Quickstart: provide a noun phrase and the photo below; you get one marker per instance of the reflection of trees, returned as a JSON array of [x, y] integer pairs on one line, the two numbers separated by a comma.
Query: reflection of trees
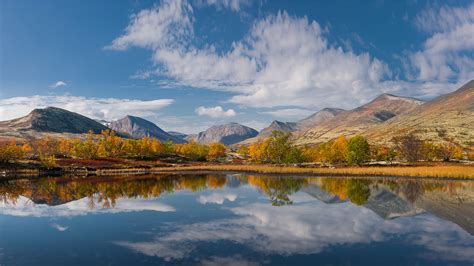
[[10, 191], [277, 189], [106, 191], [358, 191]]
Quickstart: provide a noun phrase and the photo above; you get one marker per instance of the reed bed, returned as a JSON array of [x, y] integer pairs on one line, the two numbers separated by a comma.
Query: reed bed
[[436, 171]]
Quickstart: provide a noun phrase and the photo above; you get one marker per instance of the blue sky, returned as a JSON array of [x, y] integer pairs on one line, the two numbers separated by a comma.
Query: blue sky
[[189, 64]]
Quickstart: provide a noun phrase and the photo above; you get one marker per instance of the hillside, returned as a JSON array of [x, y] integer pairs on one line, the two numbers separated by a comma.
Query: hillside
[[49, 120], [137, 127], [360, 119], [227, 134], [447, 117]]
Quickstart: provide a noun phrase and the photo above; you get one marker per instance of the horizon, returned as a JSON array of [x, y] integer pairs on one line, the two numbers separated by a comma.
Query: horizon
[[186, 65]]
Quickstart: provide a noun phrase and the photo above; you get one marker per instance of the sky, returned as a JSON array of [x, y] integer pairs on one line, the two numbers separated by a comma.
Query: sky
[[190, 64]]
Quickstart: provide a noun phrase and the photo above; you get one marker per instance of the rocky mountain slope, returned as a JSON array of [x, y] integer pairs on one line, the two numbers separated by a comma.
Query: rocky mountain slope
[[360, 119], [318, 118], [49, 120], [447, 117], [227, 134], [137, 127], [298, 127]]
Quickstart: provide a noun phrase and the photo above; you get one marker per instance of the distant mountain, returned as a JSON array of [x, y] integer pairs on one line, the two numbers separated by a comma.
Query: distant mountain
[[360, 119], [297, 128], [279, 126], [447, 117], [227, 134], [137, 127], [49, 120], [178, 134], [318, 118]]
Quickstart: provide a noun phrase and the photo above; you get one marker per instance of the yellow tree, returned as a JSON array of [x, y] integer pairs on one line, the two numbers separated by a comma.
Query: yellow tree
[[216, 151], [109, 145]]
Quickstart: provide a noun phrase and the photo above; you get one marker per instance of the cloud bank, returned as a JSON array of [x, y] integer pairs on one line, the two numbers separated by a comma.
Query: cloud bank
[[96, 108]]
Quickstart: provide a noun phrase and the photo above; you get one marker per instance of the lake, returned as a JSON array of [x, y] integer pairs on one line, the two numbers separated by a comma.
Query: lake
[[235, 219]]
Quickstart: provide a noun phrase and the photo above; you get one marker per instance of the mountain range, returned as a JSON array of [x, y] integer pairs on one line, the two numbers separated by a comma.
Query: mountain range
[[445, 118]]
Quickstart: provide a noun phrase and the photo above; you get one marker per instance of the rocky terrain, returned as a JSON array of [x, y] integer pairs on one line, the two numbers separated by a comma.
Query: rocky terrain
[[448, 117], [360, 119], [227, 134], [137, 127]]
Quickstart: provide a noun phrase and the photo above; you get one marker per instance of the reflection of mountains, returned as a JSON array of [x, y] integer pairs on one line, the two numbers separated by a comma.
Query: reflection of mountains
[[315, 191], [455, 205], [389, 199]]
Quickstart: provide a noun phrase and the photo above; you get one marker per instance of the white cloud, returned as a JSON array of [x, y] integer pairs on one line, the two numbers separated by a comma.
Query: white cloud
[[58, 84], [447, 53], [286, 61], [217, 198], [234, 5], [158, 27], [290, 113], [97, 108], [214, 112], [283, 61], [24, 207]]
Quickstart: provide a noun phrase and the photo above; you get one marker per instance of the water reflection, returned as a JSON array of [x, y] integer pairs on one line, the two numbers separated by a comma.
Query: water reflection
[[431, 221]]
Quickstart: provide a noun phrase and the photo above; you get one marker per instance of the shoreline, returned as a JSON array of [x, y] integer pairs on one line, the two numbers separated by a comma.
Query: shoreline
[[442, 171]]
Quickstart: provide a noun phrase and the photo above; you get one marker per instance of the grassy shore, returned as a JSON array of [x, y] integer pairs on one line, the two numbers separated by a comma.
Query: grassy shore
[[435, 171]]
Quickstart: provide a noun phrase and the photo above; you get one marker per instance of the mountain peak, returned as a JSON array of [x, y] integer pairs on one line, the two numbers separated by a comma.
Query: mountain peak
[[54, 119], [227, 134], [138, 127]]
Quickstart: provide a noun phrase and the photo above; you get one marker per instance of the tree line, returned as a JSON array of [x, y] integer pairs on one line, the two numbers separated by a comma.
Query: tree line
[[106, 145], [356, 150], [276, 149]]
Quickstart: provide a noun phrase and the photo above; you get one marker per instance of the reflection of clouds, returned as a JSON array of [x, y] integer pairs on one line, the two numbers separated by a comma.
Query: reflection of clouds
[[229, 261], [309, 228], [59, 227], [217, 198], [25, 207]]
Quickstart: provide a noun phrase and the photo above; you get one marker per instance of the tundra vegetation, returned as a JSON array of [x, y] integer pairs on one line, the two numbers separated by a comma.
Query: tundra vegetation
[[276, 149]]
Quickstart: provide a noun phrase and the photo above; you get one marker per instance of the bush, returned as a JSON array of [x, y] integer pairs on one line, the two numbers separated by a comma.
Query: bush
[[12, 152], [358, 150]]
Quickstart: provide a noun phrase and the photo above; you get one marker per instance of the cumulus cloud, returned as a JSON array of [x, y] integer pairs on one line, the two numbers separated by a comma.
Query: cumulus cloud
[[447, 53], [217, 198], [290, 113], [97, 108], [58, 84], [24, 207], [214, 112], [282, 61]]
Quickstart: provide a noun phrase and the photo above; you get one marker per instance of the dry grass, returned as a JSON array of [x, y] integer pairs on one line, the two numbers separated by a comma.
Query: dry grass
[[436, 171]]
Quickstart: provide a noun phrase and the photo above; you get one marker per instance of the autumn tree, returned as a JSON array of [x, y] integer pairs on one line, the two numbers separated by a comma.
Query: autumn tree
[[449, 151], [216, 152], [383, 153], [358, 150], [109, 145], [12, 152], [409, 147], [192, 150], [87, 149]]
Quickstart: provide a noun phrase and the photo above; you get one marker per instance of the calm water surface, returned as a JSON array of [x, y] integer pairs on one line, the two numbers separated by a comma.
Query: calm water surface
[[236, 220]]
